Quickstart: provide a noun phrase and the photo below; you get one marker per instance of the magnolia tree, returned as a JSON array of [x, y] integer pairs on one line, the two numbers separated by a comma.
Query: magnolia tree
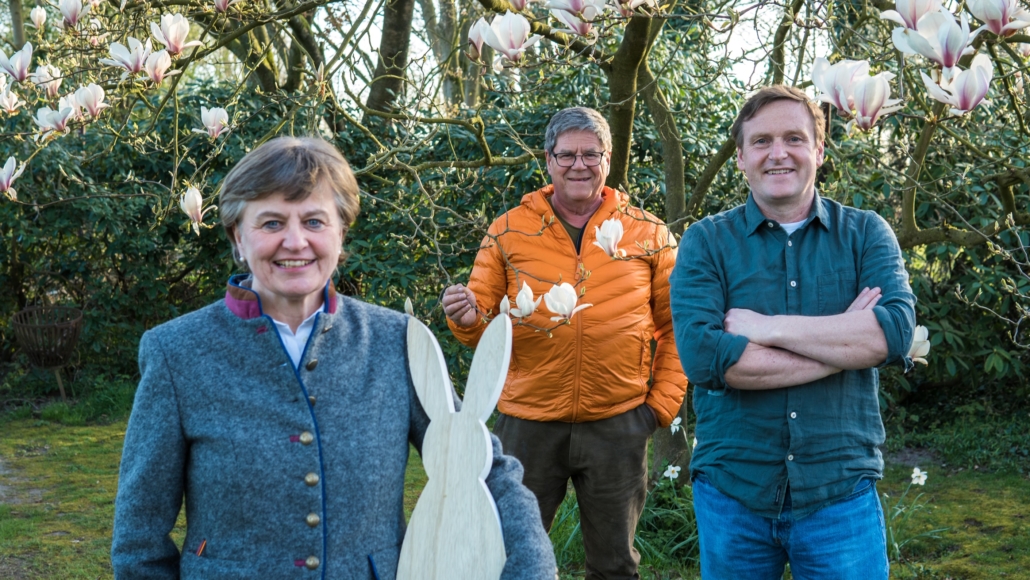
[[927, 102]]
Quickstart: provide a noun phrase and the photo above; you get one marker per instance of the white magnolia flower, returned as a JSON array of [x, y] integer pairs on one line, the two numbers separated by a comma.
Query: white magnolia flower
[[38, 17], [73, 11], [50, 121], [477, 36], [172, 33], [223, 5], [10, 172], [91, 98], [192, 205], [967, 89], [525, 303], [69, 102], [909, 12], [920, 345], [520, 5], [9, 102], [49, 78], [939, 38], [573, 24], [157, 66], [216, 121], [1002, 17], [628, 7], [872, 99], [676, 425], [918, 477], [672, 472], [585, 10], [18, 65], [509, 35], [695, 443], [835, 82], [561, 300], [608, 237], [409, 308], [133, 58]]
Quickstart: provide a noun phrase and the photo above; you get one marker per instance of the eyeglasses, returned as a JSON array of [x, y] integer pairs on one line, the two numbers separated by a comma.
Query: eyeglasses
[[590, 158]]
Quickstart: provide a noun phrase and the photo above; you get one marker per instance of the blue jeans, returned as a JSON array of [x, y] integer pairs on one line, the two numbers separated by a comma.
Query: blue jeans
[[845, 540]]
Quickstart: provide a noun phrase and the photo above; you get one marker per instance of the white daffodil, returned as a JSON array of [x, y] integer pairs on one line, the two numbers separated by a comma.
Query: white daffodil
[[172, 33], [192, 205], [672, 472], [561, 300], [10, 172], [920, 345], [18, 65], [524, 302], [918, 477], [608, 236], [216, 121], [676, 425]]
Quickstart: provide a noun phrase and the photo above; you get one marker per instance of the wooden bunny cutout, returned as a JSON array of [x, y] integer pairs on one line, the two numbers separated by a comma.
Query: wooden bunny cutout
[[455, 530]]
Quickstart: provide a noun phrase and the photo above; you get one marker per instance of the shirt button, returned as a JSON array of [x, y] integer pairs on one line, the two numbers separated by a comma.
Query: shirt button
[[793, 415], [307, 438], [312, 400], [771, 225], [311, 563], [311, 479], [311, 364], [793, 283], [790, 458], [313, 519], [790, 243]]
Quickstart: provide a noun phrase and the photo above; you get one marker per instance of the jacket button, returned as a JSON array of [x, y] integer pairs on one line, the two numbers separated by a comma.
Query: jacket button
[[311, 479], [311, 364], [307, 438], [313, 519], [311, 563], [312, 400], [327, 329]]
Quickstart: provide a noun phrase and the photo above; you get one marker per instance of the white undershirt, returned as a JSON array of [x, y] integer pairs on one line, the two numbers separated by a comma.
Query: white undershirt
[[792, 227], [295, 343]]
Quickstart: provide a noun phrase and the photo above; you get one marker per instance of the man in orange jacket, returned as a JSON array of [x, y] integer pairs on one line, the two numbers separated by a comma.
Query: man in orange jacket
[[582, 395]]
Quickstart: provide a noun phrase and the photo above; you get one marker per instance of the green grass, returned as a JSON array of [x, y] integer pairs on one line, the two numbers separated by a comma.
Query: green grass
[[59, 482]]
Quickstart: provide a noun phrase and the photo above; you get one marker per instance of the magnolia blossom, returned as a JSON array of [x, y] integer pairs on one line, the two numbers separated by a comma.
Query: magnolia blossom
[[1023, 49], [918, 477], [73, 11], [872, 99], [508, 34], [628, 7], [192, 205], [223, 5], [68, 102], [172, 33], [477, 36], [1002, 17], [561, 300], [573, 25], [95, 36], [49, 77], [939, 38], [585, 10], [672, 472], [608, 236], [9, 102], [157, 65], [91, 98], [18, 65], [132, 59], [920, 345], [51, 121], [676, 425], [909, 12], [38, 17], [525, 303], [836, 82], [409, 308], [216, 121], [967, 89], [10, 172], [520, 5]]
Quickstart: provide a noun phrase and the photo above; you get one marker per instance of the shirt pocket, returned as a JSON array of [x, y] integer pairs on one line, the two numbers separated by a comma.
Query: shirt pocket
[[835, 292]]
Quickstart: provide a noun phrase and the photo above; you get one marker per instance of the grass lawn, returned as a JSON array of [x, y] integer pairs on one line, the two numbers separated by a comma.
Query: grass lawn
[[57, 487]]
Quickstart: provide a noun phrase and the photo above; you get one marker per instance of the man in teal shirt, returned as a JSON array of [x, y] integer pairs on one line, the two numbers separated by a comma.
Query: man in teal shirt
[[783, 308]]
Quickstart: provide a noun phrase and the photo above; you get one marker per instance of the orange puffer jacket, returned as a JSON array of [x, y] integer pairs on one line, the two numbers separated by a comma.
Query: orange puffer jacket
[[599, 365]]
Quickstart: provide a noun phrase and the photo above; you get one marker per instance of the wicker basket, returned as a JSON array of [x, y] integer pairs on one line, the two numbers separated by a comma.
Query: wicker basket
[[48, 334]]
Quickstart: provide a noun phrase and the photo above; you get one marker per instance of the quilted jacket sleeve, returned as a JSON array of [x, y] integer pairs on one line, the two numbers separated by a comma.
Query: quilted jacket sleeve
[[668, 383], [488, 282]]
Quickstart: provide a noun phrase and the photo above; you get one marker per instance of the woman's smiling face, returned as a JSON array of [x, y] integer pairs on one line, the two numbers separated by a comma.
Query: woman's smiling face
[[291, 247]]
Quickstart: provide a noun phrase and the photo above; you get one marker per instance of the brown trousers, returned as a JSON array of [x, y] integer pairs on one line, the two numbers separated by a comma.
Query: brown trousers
[[607, 462]]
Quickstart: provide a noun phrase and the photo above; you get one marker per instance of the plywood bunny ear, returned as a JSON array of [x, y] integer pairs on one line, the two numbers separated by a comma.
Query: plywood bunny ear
[[489, 368], [429, 371]]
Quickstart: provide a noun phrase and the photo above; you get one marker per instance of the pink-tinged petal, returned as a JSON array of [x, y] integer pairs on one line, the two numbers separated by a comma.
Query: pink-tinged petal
[[893, 16], [936, 92]]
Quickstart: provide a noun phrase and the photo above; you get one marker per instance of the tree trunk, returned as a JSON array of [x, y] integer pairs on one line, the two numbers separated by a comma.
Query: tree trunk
[[442, 27], [388, 84], [672, 147], [622, 100], [17, 23]]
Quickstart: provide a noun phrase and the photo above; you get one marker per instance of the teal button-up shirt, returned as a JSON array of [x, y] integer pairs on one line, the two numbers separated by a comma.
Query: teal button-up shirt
[[821, 438]]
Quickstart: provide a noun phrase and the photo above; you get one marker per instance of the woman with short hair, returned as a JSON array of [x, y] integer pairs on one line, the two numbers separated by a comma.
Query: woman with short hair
[[283, 413]]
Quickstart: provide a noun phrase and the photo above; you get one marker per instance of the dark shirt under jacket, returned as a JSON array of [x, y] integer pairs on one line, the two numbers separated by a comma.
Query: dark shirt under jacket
[[821, 438]]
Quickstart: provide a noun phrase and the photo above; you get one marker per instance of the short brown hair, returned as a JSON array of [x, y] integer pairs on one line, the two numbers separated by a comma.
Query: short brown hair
[[293, 167], [777, 93]]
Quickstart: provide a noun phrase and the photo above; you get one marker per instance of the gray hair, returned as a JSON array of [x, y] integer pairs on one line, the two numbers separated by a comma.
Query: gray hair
[[293, 167], [577, 119]]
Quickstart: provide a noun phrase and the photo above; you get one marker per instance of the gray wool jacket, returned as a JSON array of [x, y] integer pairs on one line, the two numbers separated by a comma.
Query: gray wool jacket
[[286, 472]]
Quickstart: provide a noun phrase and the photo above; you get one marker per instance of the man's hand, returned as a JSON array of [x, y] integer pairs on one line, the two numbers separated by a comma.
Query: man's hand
[[459, 304], [760, 329]]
